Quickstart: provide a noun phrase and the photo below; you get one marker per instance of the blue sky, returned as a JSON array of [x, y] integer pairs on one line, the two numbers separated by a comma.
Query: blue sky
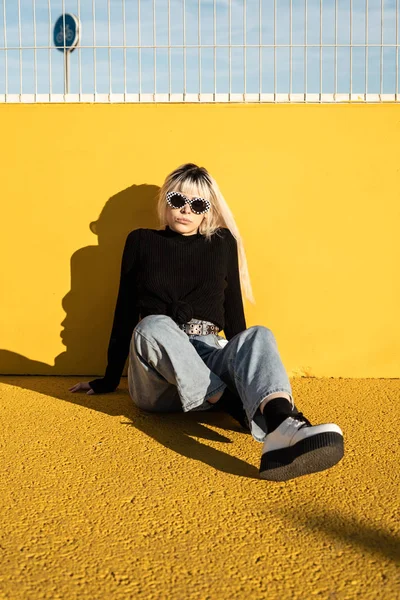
[[149, 85]]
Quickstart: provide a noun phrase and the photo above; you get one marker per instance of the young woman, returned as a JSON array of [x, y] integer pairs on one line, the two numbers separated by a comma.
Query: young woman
[[180, 285]]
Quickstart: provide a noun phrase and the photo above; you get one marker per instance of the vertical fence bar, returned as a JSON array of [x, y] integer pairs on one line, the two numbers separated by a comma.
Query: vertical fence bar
[[305, 50], [244, 47], [230, 50], [169, 51], [64, 60], [366, 47], [351, 48], [5, 50], [260, 48], [20, 48], [215, 49], [154, 49], [320, 49], [124, 42], [109, 49], [139, 54], [396, 88], [34, 49], [335, 53], [50, 47], [381, 54], [199, 41], [80, 52], [275, 50], [94, 46], [184, 50], [65, 65], [291, 49]]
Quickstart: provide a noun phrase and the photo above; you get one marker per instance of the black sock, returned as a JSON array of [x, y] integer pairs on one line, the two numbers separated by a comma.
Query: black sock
[[275, 411]]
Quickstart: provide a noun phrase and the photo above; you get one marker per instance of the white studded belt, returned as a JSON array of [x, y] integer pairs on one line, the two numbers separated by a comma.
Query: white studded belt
[[197, 327]]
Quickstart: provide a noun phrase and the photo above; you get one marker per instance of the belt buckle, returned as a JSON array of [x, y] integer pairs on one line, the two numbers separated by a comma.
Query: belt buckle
[[205, 328], [195, 328]]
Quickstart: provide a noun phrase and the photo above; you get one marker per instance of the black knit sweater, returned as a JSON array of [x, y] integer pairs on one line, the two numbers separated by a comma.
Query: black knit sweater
[[183, 276]]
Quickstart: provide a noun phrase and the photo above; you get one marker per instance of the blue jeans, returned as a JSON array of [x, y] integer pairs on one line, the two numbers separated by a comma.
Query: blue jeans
[[170, 370]]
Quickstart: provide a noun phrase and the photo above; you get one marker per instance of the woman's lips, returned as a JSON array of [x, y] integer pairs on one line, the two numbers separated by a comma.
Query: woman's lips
[[183, 221]]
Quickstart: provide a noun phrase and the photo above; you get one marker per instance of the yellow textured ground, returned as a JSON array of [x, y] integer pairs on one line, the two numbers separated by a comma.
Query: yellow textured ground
[[100, 500]]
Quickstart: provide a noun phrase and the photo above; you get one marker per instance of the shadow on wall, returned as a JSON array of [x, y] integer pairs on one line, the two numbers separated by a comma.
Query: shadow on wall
[[90, 303]]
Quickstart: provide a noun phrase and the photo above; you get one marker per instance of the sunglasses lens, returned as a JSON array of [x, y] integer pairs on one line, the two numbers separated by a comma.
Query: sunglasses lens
[[176, 200], [199, 206]]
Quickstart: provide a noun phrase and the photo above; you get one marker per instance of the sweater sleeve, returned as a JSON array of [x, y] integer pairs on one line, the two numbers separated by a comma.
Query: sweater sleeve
[[126, 317], [235, 320]]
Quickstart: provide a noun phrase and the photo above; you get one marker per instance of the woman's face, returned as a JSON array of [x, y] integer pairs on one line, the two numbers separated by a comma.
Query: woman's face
[[194, 220]]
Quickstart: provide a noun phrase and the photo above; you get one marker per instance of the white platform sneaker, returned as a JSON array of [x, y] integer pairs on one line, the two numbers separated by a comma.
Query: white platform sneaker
[[297, 448]]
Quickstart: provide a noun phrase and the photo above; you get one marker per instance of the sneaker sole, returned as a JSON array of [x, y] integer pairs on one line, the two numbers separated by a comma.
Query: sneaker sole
[[310, 455]]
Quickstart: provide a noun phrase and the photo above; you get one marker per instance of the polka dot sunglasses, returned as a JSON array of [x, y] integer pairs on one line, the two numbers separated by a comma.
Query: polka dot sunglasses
[[197, 205]]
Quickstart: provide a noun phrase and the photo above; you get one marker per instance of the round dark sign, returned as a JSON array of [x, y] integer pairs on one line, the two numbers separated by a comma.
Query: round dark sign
[[66, 32]]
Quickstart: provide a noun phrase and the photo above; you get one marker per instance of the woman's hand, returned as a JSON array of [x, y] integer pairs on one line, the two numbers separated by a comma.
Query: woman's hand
[[84, 385]]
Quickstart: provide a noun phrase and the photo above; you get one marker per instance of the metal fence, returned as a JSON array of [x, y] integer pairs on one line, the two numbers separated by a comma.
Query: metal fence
[[201, 51]]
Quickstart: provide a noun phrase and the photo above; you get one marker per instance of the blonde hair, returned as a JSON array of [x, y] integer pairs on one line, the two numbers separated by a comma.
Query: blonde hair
[[197, 181]]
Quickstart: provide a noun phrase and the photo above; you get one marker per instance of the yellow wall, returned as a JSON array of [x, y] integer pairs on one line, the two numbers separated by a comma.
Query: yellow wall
[[314, 190]]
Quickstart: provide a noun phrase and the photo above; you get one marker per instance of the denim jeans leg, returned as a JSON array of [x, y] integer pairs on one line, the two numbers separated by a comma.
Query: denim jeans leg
[[165, 370], [251, 362]]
